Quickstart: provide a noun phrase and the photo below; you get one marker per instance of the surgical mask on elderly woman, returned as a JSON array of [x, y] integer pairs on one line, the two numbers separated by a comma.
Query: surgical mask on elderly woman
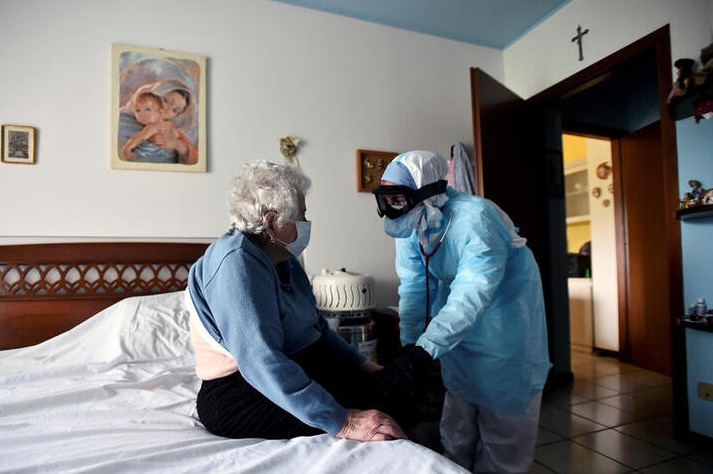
[[304, 230]]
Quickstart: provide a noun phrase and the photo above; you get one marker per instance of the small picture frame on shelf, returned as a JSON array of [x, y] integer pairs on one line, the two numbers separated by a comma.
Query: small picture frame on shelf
[[18, 144]]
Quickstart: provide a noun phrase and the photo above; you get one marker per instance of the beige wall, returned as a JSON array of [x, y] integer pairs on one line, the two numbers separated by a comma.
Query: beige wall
[[604, 248], [547, 55], [337, 83]]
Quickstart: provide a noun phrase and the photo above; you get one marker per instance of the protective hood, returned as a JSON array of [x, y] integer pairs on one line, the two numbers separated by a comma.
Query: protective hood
[[417, 169]]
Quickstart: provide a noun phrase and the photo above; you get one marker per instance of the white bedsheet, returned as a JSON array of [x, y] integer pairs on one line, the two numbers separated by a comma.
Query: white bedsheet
[[117, 394]]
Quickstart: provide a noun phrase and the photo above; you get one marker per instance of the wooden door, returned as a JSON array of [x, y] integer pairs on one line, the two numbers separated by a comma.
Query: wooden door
[[508, 161], [513, 169], [645, 331]]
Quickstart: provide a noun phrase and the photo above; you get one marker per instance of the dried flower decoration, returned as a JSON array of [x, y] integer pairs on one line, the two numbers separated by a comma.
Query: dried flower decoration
[[288, 148]]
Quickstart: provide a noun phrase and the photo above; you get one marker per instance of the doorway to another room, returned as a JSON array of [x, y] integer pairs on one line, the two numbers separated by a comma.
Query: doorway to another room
[[623, 98], [591, 244]]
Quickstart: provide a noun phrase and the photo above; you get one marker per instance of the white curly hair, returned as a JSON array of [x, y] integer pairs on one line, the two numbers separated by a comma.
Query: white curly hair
[[265, 186]]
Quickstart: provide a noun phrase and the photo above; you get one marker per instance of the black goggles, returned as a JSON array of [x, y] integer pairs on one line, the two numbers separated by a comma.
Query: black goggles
[[395, 201]]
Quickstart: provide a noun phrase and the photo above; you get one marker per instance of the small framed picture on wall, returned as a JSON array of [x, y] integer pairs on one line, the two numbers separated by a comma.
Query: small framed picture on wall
[[18, 144]]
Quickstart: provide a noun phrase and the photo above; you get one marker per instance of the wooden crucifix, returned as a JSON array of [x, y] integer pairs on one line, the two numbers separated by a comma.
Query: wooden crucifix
[[578, 39]]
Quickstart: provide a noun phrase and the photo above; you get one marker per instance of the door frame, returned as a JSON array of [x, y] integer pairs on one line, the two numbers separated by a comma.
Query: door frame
[[658, 41]]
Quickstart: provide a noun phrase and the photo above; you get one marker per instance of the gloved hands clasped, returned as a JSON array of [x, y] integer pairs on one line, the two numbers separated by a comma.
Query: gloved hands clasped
[[405, 378]]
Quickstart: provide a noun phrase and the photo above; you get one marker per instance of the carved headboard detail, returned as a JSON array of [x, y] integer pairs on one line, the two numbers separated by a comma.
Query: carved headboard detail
[[35, 279], [45, 289]]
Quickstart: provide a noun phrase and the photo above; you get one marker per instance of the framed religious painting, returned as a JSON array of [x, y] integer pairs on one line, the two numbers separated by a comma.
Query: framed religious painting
[[158, 111], [18, 144]]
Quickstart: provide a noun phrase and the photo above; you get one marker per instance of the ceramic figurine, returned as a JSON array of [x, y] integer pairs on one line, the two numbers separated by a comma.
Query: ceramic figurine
[[696, 189]]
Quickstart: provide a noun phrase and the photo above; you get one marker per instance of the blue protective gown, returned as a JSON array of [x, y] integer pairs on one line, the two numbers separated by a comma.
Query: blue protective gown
[[261, 320], [488, 329]]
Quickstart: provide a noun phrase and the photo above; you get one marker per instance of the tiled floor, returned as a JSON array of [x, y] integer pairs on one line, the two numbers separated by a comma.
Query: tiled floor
[[614, 418]]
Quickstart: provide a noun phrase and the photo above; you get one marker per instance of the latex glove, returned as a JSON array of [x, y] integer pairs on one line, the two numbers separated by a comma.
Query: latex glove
[[418, 356], [405, 378], [370, 425]]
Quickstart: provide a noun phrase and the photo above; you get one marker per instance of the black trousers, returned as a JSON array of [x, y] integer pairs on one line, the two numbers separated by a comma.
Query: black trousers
[[231, 407]]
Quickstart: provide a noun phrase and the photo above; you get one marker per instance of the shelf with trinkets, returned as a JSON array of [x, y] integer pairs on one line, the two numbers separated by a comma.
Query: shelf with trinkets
[[696, 212], [692, 94], [702, 323], [697, 203], [697, 103]]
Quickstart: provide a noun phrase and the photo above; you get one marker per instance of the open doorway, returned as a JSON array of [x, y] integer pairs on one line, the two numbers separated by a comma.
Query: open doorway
[[623, 98], [591, 244]]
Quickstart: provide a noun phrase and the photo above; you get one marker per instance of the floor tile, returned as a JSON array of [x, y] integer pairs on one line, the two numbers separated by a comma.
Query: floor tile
[[662, 394], [572, 458], [678, 466], [567, 424], [704, 455], [591, 391], [657, 433], [538, 468], [620, 382], [629, 382], [606, 415], [545, 436], [561, 398], [614, 418], [643, 408], [593, 369], [625, 449]]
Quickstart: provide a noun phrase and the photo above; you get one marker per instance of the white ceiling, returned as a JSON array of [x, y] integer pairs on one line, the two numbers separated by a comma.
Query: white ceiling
[[492, 23]]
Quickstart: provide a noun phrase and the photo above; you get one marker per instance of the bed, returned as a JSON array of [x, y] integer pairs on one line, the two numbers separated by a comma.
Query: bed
[[96, 374]]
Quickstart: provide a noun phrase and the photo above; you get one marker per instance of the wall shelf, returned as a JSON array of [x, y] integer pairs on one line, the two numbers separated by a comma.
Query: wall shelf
[[697, 212], [701, 325], [684, 106]]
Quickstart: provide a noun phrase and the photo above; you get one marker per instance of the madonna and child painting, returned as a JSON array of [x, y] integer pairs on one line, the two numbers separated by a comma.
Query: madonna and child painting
[[158, 110]]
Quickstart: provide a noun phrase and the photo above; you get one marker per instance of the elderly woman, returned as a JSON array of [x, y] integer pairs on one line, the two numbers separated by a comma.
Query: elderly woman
[[270, 365]]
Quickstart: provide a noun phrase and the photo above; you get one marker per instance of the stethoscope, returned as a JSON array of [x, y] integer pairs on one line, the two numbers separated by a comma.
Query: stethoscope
[[427, 258]]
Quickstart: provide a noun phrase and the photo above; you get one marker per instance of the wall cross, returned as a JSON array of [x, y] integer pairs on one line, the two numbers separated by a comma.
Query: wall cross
[[578, 39]]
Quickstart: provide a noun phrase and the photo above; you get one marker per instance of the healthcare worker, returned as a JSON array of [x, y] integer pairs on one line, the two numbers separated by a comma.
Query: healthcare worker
[[471, 298]]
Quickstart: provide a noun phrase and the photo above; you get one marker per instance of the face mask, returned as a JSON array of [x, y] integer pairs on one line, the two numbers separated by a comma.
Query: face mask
[[402, 226], [304, 230]]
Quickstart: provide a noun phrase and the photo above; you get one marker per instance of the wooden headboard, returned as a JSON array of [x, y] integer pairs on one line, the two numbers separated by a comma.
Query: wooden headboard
[[46, 289]]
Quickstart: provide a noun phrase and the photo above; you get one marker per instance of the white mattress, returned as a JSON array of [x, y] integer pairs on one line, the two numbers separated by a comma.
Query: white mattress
[[117, 394]]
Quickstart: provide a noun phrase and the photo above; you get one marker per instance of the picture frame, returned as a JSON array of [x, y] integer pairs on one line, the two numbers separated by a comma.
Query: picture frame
[[18, 144], [370, 166], [158, 110]]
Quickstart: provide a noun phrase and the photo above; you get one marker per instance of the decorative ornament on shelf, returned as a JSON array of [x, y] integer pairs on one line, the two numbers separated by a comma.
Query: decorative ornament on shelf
[[684, 78], [288, 148], [696, 196]]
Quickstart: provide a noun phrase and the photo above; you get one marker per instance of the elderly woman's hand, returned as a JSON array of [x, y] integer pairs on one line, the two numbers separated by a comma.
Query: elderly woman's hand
[[370, 425]]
